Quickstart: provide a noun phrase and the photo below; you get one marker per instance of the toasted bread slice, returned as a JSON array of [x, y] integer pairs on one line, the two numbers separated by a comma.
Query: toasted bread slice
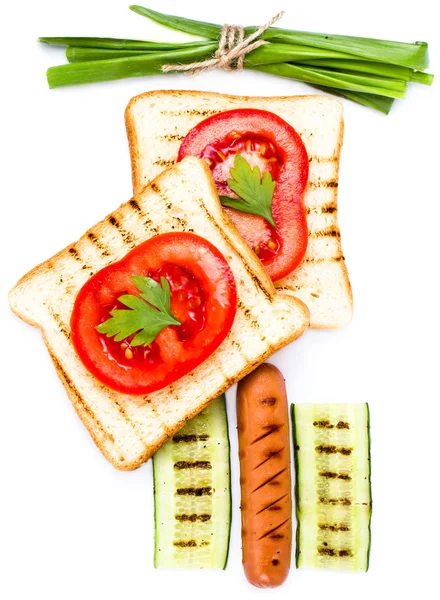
[[158, 121], [129, 429]]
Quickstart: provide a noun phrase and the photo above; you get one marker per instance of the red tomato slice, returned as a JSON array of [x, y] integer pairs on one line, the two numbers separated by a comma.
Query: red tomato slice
[[203, 299], [267, 141]]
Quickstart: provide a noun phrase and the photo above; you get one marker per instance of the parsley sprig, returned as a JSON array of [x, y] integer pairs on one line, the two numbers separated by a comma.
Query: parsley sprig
[[256, 192], [148, 313]]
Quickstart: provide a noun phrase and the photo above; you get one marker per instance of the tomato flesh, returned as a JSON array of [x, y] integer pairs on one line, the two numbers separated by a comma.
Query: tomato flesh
[[203, 299], [266, 141]]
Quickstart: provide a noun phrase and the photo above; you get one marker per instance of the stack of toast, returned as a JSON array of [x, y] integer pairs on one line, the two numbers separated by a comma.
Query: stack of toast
[[181, 197]]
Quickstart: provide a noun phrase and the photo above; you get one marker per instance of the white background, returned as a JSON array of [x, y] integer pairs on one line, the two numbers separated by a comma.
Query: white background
[[72, 527]]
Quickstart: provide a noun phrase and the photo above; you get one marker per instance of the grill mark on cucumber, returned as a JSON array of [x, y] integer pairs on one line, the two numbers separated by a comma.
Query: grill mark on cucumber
[[325, 424], [192, 518], [196, 464], [190, 437], [328, 527], [273, 428], [270, 454], [322, 449], [193, 491], [332, 475], [271, 533], [333, 553], [270, 481], [333, 501], [272, 506], [185, 544]]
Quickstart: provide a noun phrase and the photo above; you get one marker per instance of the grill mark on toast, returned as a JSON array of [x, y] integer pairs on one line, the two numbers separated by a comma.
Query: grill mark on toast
[[324, 209], [319, 183], [74, 253], [272, 428], [255, 279], [324, 259], [270, 481], [190, 111], [329, 232], [228, 381], [126, 236], [164, 162], [248, 315], [79, 399], [105, 250], [59, 321], [322, 159], [271, 531], [270, 506], [133, 425], [171, 137], [135, 206], [239, 349]]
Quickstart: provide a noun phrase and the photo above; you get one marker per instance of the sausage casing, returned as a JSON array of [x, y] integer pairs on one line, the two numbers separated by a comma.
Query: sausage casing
[[266, 500]]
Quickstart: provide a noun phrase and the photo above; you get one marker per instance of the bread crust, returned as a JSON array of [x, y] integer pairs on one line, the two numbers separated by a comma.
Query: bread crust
[[329, 314]]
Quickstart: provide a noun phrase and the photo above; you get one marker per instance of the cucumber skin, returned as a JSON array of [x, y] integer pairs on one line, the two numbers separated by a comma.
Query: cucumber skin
[[369, 484], [297, 484], [230, 483], [296, 487]]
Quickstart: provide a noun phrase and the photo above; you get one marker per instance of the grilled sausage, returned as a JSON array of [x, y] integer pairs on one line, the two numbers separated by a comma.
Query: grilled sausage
[[266, 502]]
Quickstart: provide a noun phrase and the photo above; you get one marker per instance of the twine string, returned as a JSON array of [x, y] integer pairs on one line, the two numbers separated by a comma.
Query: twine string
[[231, 51]]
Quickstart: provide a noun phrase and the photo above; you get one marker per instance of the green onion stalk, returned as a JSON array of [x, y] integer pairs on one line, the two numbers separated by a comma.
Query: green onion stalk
[[368, 71]]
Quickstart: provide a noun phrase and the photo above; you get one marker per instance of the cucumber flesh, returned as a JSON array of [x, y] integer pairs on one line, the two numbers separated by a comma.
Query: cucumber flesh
[[333, 490], [192, 493]]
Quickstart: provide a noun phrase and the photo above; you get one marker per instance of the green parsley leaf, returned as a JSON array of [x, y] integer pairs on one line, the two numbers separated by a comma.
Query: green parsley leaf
[[148, 314], [256, 192]]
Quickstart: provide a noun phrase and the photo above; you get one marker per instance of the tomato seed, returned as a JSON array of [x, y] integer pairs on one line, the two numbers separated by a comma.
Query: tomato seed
[[128, 354], [257, 250], [271, 245], [194, 302]]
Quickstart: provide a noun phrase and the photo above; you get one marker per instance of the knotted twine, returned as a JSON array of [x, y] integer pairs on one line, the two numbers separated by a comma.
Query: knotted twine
[[232, 49]]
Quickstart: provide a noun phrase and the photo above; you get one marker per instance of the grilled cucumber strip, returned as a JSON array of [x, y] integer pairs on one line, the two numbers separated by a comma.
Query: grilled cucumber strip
[[192, 493], [333, 491]]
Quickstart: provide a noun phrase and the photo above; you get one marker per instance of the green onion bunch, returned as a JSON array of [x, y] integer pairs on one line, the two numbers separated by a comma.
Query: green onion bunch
[[368, 71]]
